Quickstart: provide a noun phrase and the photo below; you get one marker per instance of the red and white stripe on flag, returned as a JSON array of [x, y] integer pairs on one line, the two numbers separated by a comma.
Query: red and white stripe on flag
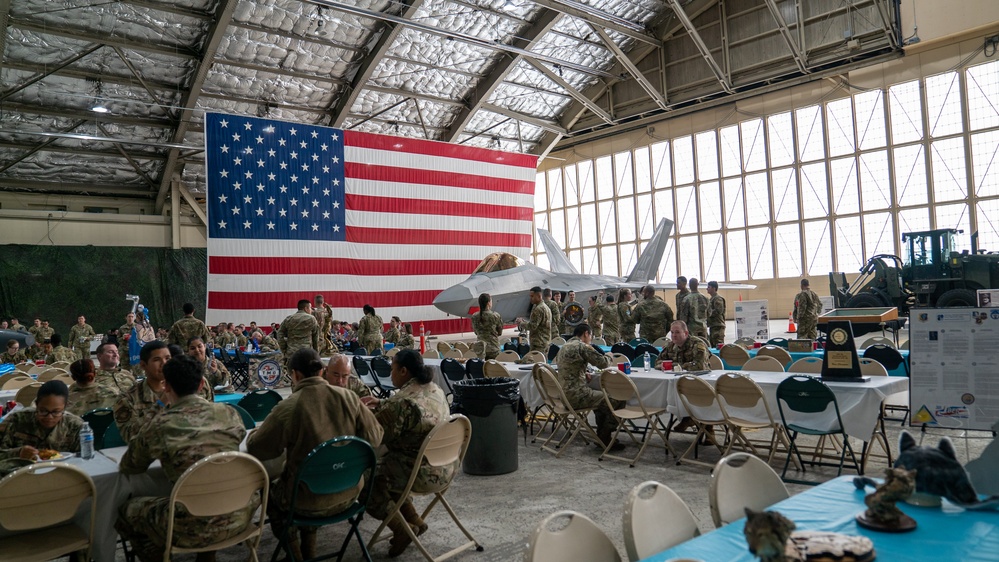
[[391, 223]]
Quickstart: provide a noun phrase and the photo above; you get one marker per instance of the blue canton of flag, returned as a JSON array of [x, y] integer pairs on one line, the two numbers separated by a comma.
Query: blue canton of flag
[[273, 180]]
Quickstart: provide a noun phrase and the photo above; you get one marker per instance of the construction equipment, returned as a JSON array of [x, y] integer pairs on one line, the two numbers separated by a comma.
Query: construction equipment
[[933, 274]]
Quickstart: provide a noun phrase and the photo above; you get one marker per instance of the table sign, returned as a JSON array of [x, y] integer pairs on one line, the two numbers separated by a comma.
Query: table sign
[[840, 362]]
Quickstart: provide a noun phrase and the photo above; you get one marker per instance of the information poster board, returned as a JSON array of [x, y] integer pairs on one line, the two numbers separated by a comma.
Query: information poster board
[[987, 298], [954, 356], [827, 304], [752, 320]]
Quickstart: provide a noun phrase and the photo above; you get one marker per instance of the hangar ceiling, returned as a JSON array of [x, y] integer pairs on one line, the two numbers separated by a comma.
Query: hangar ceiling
[[106, 98]]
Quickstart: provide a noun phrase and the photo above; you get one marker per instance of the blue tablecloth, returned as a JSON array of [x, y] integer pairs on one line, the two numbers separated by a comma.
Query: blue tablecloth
[[6, 368], [820, 353], [950, 533], [233, 398]]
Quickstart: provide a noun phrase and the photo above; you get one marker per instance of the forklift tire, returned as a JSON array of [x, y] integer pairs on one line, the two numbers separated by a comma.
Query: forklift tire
[[957, 297], [864, 300]]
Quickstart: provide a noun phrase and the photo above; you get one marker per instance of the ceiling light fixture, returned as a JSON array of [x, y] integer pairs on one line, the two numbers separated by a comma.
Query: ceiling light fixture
[[99, 104], [509, 6]]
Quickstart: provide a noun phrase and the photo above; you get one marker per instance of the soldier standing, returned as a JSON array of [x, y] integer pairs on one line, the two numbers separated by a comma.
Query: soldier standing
[[557, 297], [652, 314], [79, 336], [298, 331], [612, 321], [369, 331], [716, 315], [488, 326], [697, 311], [45, 331], [188, 327], [540, 325], [807, 307], [624, 310], [556, 314], [595, 316], [681, 293], [324, 317], [124, 335], [34, 330]]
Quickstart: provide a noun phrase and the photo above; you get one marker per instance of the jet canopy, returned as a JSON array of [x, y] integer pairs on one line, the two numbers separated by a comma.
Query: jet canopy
[[498, 261]]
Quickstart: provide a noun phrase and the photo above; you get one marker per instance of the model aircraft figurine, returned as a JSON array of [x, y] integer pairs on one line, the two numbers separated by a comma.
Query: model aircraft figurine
[[509, 279]]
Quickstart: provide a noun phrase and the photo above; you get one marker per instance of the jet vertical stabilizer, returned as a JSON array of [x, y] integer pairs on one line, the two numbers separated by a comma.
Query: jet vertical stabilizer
[[557, 259], [648, 262]]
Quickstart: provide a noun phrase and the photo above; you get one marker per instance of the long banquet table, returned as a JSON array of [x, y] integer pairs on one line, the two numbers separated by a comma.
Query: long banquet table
[[819, 354], [947, 533]]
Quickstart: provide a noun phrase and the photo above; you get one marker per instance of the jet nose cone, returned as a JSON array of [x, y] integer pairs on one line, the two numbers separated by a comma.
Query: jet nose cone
[[455, 300]]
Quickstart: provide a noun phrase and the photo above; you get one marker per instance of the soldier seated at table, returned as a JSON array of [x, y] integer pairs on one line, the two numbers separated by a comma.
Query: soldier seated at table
[[314, 413], [109, 372], [13, 354], [213, 370], [56, 352], [45, 426], [687, 352], [186, 432], [338, 373], [572, 360], [86, 393]]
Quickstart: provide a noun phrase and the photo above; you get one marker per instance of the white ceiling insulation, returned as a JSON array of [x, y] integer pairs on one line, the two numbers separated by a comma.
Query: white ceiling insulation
[[519, 75]]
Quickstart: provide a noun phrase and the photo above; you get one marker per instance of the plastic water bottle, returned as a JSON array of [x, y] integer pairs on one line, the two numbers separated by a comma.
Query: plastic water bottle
[[86, 441], [647, 359]]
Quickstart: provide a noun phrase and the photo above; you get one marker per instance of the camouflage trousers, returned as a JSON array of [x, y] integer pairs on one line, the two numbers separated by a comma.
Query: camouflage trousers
[[627, 332], [277, 512], [372, 344], [597, 330], [142, 522], [611, 336], [699, 331], [586, 397], [808, 329], [392, 476], [717, 336], [82, 351]]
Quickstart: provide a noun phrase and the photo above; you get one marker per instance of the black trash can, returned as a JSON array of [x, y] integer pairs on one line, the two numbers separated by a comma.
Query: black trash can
[[491, 407]]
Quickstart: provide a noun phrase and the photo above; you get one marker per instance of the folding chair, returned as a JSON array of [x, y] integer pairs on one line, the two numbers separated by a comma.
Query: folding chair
[[746, 343], [112, 437], [248, 421], [700, 401], [39, 502], [60, 365], [16, 382], [803, 397], [808, 365], [661, 342], [382, 368], [779, 353], [553, 350], [392, 352], [780, 342], [443, 347], [333, 467], [49, 374], [734, 355], [573, 421], [215, 485], [618, 358], [578, 541], [508, 356], [445, 445], [367, 376], [635, 342], [453, 372], [643, 348], [431, 354], [764, 363], [100, 420], [741, 480], [891, 359], [461, 346], [715, 363], [624, 349], [871, 368], [26, 394], [38, 369], [878, 340], [535, 357], [740, 397], [598, 341], [474, 367], [259, 403], [558, 340], [656, 519], [493, 369], [617, 386], [454, 354]]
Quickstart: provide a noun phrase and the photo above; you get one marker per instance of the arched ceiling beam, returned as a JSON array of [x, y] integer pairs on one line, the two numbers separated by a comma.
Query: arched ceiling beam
[[340, 109], [179, 52], [576, 94], [702, 47], [484, 89], [625, 61], [530, 119], [216, 32], [593, 16], [799, 57]]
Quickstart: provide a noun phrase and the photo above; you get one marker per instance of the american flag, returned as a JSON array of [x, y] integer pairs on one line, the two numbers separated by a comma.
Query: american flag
[[298, 210]]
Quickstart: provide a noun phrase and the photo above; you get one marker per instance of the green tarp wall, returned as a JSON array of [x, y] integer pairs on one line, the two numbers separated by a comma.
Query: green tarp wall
[[58, 283]]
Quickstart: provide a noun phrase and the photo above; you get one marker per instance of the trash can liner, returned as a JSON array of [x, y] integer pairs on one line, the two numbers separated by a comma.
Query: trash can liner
[[478, 397]]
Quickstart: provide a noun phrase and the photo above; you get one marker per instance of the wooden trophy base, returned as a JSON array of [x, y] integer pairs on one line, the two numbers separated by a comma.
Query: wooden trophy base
[[904, 525]]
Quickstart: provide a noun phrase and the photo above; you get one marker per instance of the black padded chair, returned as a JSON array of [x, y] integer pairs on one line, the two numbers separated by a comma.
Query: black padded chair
[[553, 350], [382, 366], [453, 372], [646, 348], [240, 371], [367, 376], [360, 351], [781, 342], [100, 420], [891, 359], [473, 367], [624, 349], [260, 403]]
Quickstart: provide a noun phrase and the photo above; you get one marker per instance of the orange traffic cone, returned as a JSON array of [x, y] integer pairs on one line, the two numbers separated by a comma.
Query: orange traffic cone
[[791, 327]]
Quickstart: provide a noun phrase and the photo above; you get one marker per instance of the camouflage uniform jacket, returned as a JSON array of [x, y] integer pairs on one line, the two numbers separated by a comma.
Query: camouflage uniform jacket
[[392, 335], [355, 385], [407, 417], [314, 413], [572, 360], [612, 322], [187, 328], [807, 306], [124, 335], [680, 295], [217, 374], [16, 358], [556, 318], [539, 327], [369, 331], [324, 317], [83, 399], [21, 428], [697, 310], [627, 330], [691, 356], [716, 312], [406, 341], [223, 339], [34, 332], [654, 317], [20, 328], [488, 325], [139, 404], [595, 318], [61, 353], [120, 379], [44, 333], [298, 331], [78, 331], [268, 344]]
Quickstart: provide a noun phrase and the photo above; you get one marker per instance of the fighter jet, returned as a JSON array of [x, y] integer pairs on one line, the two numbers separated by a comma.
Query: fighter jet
[[509, 279]]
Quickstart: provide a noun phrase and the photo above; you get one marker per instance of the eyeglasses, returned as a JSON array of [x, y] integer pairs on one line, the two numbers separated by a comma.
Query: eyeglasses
[[49, 413]]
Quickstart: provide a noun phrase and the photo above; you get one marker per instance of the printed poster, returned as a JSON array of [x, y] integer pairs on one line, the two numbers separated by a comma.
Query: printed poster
[[752, 320]]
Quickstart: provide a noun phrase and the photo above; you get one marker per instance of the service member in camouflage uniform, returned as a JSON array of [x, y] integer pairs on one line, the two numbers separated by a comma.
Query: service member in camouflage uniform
[[211, 368], [125, 334], [807, 308], [189, 430], [45, 331], [572, 360], [406, 339], [407, 417], [716, 315], [624, 310], [557, 298], [369, 331], [17, 326], [188, 327], [540, 326], [59, 352], [86, 393], [556, 314], [34, 329], [13, 353], [687, 352], [392, 334], [297, 331], [681, 294], [109, 373], [324, 317], [595, 317], [612, 320], [142, 402], [47, 425], [697, 311], [314, 413], [225, 337], [488, 326], [79, 337], [338, 373], [652, 314]]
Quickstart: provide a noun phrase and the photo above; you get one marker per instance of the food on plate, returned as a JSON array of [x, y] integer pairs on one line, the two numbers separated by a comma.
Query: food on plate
[[48, 454]]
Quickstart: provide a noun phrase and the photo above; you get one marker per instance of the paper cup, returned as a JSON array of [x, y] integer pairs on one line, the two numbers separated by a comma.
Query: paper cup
[[667, 365]]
